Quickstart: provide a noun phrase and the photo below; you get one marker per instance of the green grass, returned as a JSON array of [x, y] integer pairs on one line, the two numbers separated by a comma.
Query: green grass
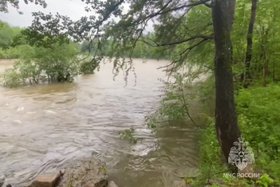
[[259, 117]]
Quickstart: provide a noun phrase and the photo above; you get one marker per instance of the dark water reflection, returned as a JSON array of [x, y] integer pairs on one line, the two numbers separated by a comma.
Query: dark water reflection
[[45, 127]]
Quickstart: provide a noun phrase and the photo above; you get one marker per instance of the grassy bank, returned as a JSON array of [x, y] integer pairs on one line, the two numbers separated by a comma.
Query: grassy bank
[[258, 114]]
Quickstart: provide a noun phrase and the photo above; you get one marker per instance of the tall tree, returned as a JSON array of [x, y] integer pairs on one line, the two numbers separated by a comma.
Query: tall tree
[[226, 118], [249, 50]]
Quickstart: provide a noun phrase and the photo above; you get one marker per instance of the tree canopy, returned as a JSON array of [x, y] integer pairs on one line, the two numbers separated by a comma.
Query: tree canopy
[[125, 22], [15, 3]]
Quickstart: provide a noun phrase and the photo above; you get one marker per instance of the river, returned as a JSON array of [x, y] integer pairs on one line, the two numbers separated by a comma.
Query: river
[[46, 126]]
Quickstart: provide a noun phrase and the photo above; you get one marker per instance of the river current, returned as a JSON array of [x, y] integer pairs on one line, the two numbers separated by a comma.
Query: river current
[[47, 126]]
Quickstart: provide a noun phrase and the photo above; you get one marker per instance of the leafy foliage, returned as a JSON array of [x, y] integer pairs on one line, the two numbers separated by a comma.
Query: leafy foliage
[[7, 35], [128, 134], [88, 66], [264, 66], [15, 3], [182, 99], [39, 64], [43, 58], [179, 93], [213, 171], [259, 119], [11, 78], [125, 28], [265, 181]]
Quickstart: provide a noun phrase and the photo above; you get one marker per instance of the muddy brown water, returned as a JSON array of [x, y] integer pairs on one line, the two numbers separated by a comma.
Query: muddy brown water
[[44, 127]]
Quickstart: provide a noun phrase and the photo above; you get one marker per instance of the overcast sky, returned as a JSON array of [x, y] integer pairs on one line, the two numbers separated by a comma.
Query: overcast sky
[[71, 8]]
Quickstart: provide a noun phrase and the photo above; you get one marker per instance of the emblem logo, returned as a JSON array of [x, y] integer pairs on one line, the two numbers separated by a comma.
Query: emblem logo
[[241, 154]]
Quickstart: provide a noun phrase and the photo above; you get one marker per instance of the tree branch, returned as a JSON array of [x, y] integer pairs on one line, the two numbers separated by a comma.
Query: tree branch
[[188, 50], [208, 37], [185, 40], [108, 14], [161, 11]]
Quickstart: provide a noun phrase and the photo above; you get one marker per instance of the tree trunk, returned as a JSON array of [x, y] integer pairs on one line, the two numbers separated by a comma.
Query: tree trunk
[[247, 75], [225, 117], [265, 72], [264, 54]]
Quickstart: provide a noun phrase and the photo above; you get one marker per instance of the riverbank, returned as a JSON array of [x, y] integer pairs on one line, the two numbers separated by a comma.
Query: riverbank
[[258, 117], [258, 112]]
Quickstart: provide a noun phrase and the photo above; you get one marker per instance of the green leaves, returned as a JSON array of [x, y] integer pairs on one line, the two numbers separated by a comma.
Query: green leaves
[[128, 134], [259, 118], [39, 64], [4, 4], [266, 41], [265, 181], [7, 34], [88, 66], [11, 78]]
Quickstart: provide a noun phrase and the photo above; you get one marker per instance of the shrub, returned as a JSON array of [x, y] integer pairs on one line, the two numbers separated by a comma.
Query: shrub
[[128, 134], [88, 67], [11, 78], [57, 63], [258, 113], [60, 64], [259, 119]]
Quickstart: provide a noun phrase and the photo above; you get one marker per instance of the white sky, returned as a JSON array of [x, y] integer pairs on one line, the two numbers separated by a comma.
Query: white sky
[[75, 9], [72, 8]]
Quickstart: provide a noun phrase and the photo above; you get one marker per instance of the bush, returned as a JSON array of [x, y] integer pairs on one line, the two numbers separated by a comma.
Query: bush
[[60, 64], [20, 51], [212, 168], [88, 67], [2, 54], [29, 71], [11, 78], [210, 154], [259, 119], [128, 134], [258, 113], [57, 63]]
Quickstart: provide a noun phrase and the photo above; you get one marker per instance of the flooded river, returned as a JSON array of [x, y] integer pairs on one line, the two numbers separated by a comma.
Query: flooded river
[[47, 126]]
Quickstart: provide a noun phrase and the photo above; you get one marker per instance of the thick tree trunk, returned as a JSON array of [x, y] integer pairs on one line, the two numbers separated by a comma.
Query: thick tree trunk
[[226, 119], [247, 75]]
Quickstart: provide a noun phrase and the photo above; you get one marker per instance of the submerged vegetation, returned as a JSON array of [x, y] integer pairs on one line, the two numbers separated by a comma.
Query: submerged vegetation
[[49, 59], [41, 60], [34, 67], [128, 135]]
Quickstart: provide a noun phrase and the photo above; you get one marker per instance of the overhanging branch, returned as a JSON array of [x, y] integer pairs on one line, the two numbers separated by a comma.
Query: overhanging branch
[[165, 9], [208, 37], [153, 43]]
